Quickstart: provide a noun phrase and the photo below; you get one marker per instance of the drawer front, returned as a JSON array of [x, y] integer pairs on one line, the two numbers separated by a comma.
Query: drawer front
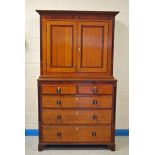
[[75, 134], [76, 116], [76, 102], [96, 89], [49, 101], [60, 89], [95, 101]]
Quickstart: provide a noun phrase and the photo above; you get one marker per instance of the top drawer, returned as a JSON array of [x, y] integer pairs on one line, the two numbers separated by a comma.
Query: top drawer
[[62, 89], [96, 89]]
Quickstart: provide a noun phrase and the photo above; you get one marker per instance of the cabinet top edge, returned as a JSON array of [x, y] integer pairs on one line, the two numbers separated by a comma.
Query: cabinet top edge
[[76, 79], [111, 13]]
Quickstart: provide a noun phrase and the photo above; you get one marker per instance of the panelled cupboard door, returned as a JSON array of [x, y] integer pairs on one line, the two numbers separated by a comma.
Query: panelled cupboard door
[[92, 46], [61, 46]]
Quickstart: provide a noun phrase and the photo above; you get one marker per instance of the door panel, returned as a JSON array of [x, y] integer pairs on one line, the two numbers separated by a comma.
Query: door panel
[[92, 46], [61, 46], [92, 52]]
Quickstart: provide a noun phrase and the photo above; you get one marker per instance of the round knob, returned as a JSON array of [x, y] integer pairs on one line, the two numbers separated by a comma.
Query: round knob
[[94, 102], [58, 102], [58, 90], [94, 90], [94, 117], [58, 116], [94, 133], [58, 134]]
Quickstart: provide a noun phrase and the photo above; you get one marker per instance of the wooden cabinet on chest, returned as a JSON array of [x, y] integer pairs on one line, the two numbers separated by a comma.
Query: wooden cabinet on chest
[[76, 87]]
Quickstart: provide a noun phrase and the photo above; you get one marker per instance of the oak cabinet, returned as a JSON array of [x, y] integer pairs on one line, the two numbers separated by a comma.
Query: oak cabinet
[[76, 87]]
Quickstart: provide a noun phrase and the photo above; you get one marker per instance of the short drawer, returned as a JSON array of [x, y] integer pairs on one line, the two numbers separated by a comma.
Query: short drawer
[[59, 89], [53, 116], [96, 89], [57, 101], [76, 134]]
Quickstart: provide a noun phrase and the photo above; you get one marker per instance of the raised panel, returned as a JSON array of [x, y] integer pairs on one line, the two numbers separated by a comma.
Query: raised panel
[[61, 46], [93, 46]]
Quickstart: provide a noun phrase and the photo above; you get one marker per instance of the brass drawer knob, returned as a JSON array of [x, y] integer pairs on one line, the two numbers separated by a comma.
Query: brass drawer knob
[[94, 102], [58, 134], [58, 102], [58, 90], [94, 117], [93, 133], [58, 116], [95, 90]]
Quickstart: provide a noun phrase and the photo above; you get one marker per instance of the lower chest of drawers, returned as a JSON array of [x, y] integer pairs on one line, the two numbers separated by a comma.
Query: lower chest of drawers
[[76, 112]]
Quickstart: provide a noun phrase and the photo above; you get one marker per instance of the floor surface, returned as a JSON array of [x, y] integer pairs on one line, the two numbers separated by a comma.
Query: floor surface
[[31, 148]]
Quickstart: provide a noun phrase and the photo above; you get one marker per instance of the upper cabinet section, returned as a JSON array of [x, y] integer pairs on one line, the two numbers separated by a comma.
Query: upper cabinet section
[[77, 44]]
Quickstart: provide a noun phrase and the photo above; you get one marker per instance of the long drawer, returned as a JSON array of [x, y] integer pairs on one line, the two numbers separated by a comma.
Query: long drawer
[[72, 133], [51, 116], [49, 101]]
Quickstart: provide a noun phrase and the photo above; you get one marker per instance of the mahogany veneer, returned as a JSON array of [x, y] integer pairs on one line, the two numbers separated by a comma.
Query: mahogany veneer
[[76, 87]]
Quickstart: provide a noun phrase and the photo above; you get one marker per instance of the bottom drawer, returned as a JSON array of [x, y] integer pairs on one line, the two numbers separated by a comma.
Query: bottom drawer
[[76, 134]]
